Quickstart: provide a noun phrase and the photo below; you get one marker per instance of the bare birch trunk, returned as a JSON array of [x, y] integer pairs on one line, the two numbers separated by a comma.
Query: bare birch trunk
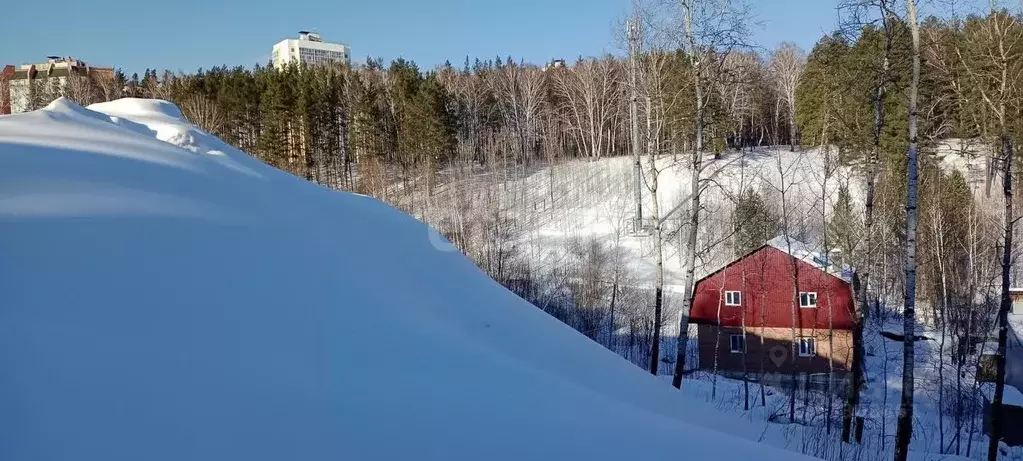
[[1006, 303], [634, 115], [655, 347], [905, 423], [694, 215], [861, 278]]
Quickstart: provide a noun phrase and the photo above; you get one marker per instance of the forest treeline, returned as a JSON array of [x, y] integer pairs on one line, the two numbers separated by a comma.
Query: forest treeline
[[325, 123]]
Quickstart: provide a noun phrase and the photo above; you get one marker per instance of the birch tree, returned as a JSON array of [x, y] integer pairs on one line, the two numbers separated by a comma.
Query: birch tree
[[659, 100], [736, 89], [856, 9], [990, 59], [519, 90], [905, 424], [81, 89], [203, 112], [710, 31], [1000, 37], [592, 95], [787, 65]]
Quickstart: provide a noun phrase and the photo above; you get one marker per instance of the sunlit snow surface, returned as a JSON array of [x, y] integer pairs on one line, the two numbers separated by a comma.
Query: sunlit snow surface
[[166, 297]]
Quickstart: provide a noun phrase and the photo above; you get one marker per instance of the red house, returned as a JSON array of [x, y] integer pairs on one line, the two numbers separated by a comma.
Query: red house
[[778, 309]]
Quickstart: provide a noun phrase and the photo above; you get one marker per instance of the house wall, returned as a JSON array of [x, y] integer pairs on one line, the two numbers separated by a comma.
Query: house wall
[[1013, 352], [21, 91], [765, 279], [1012, 433], [769, 350], [5, 89], [1017, 305], [20, 96]]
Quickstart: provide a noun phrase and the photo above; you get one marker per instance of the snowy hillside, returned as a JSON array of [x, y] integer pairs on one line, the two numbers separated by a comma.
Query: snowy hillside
[[166, 297], [555, 207]]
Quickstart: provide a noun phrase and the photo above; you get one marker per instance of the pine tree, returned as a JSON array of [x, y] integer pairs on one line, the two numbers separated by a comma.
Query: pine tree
[[274, 139], [845, 226], [133, 86], [753, 223], [820, 92]]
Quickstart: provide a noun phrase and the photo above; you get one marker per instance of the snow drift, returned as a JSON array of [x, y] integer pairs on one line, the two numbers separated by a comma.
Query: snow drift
[[167, 297]]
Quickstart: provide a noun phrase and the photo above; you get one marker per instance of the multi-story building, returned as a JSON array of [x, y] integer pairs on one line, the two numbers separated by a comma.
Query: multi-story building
[[749, 324], [32, 86], [310, 49]]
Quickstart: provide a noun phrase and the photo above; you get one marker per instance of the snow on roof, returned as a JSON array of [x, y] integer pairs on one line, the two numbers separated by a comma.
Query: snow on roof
[[1015, 318], [810, 255], [175, 298], [1012, 396]]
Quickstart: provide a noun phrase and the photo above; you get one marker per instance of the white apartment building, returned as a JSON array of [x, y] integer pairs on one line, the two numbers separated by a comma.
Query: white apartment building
[[309, 48]]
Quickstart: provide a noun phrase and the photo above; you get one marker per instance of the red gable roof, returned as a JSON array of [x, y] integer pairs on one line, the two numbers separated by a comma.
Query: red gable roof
[[765, 280]]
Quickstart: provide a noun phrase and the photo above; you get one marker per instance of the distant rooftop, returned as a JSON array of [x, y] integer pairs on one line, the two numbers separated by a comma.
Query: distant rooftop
[[310, 36], [57, 66], [58, 62]]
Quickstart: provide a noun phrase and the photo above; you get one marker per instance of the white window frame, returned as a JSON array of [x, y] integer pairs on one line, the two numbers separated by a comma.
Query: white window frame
[[729, 294], [732, 342], [807, 294], [807, 346]]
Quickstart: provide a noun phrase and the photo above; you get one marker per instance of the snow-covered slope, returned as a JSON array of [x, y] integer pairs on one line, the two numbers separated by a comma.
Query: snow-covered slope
[[552, 208], [165, 297]]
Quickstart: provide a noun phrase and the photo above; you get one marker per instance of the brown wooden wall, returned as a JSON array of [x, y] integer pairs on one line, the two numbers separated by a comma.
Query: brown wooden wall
[[775, 354]]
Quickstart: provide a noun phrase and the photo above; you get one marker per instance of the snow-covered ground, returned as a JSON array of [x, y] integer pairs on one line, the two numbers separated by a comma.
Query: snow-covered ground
[[594, 200], [587, 199], [879, 405], [968, 156], [166, 297], [553, 207]]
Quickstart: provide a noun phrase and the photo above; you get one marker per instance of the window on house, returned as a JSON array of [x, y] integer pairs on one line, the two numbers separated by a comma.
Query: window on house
[[737, 344], [733, 298], [808, 299], [807, 347]]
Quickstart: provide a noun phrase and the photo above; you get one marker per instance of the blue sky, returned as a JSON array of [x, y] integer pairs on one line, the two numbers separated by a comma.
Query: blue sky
[[188, 34]]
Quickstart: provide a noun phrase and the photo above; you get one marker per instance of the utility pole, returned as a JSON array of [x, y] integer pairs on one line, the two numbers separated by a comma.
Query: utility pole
[[634, 38]]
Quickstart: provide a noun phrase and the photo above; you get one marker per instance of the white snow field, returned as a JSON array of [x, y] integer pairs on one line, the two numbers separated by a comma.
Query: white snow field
[[581, 200], [166, 297], [595, 199]]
